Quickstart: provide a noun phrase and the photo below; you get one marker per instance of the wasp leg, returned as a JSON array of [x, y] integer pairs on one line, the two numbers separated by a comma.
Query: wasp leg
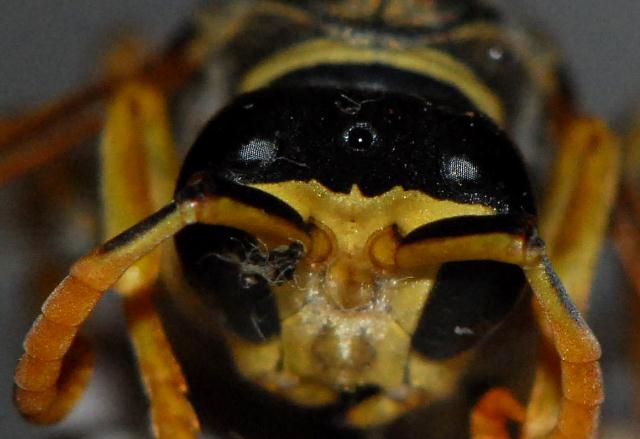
[[139, 170], [22, 149], [492, 413], [573, 222], [171, 413], [627, 223], [579, 352], [576, 210], [575, 344], [136, 135], [31, 139], [626, 234]]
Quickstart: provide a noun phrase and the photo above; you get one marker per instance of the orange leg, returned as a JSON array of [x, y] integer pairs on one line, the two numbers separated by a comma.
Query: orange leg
[[26, 152], [574, 221], [492, 413], [627, 224], [139, 171], [576, 211], [626, 234], [31, 139], [171, 413]]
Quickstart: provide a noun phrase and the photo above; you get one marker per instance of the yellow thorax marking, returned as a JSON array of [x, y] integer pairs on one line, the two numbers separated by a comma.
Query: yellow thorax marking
[[425, 61], [353, 217]]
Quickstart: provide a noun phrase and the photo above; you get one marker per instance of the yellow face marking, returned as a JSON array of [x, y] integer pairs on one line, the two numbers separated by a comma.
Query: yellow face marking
[[344, 321], [425, 61], [353, 217], [438, 378]]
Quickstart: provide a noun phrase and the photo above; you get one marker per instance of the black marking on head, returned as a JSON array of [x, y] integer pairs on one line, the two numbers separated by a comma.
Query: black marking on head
[[139, 229], [418, 144], [262, 200], [467, 302], [202, 184], [473, 225]]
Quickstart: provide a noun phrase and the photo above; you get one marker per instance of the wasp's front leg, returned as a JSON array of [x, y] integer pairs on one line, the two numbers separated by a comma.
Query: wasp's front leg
[[627, 238], [576, 211], [627, 224], [574, 221], [139, 168], [39, 135]]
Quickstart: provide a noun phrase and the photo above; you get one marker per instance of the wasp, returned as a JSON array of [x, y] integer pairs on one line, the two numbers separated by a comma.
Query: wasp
[[353, 244]]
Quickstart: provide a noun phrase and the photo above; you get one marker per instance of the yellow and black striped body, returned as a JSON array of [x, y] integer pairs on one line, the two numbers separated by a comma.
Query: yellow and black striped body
[[352, 118]]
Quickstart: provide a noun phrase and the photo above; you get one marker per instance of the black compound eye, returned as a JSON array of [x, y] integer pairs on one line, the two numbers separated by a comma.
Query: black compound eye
[[468, 300], [233, 274], [360, 137]]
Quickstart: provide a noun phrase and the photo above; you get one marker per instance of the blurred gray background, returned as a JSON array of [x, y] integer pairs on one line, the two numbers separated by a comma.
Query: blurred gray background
[[50, 47]]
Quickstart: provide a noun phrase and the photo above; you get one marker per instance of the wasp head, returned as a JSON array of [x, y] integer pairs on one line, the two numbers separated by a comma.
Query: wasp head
[[349, 169]]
